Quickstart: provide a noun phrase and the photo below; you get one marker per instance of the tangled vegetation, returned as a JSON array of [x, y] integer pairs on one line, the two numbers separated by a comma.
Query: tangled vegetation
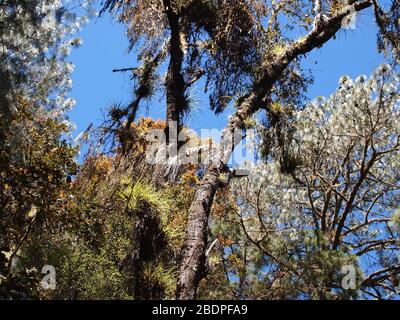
[[323, 198]]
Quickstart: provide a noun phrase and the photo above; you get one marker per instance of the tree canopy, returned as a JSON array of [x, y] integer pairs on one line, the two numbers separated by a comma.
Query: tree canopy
[[317, 217]]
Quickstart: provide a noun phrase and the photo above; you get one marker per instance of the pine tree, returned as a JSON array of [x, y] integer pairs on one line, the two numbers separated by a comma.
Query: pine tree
[[35, 155], [247, 61]]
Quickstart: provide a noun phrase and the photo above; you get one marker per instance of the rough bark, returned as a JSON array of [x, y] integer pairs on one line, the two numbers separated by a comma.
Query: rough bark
[[175, 85], [174, 90], [193, 264], [193, 253], [148, 246]]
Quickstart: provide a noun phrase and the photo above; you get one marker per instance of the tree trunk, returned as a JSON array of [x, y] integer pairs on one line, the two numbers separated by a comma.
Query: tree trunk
[[148, 246], [174, 83], [193, 265]]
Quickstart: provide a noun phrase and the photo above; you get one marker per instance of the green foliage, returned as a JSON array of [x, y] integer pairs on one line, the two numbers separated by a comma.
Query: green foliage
[[322, 199], [142, 193]]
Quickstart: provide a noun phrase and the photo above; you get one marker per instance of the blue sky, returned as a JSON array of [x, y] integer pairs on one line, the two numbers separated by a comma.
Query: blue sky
[[104, 48]]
